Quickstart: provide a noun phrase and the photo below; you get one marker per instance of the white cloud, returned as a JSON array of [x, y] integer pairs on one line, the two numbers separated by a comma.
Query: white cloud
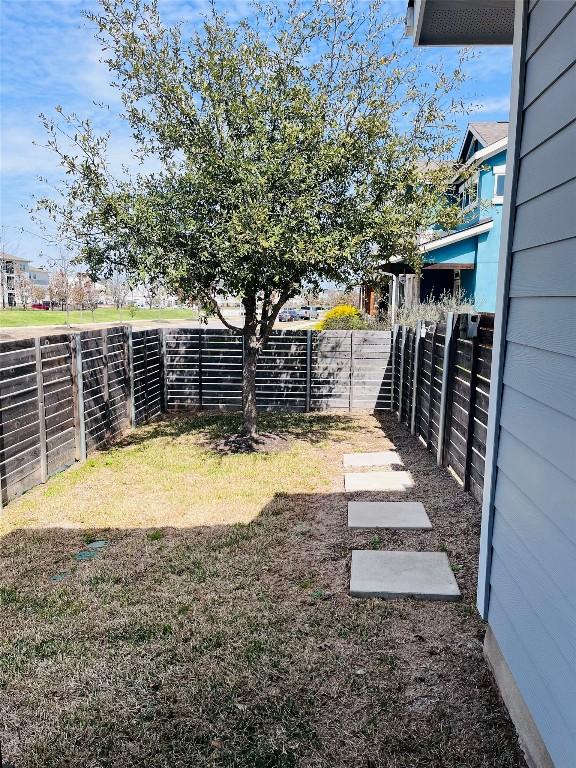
[[496, 104]]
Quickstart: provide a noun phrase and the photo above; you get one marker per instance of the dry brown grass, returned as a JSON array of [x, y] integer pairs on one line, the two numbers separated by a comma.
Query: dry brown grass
[[224, 637]]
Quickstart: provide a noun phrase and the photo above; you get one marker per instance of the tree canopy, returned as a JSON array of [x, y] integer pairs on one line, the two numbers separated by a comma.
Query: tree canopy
[[303, 144]]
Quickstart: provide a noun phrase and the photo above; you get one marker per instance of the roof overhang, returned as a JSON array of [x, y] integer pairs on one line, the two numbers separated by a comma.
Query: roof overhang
[[483, 154], [450, 265], [460, 22], [456, 237]]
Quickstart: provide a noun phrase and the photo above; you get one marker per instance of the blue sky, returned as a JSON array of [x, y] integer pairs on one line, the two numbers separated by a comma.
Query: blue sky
[[49, 57]]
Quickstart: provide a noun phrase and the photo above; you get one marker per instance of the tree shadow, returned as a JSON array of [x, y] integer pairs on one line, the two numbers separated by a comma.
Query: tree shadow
[[216, 425]]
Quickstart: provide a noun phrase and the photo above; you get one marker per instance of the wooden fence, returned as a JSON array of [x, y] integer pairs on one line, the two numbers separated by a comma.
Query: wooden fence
[[60, 398], [63, 396], [297, 371], [441, 391]]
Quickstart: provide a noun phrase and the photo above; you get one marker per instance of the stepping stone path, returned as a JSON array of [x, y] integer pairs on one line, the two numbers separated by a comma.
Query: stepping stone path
[[377, 481], [376, 459], [425, 575], [403, 515]]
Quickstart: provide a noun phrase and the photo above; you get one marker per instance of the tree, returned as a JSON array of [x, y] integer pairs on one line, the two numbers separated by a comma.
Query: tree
[[78, 291], [38, 294], [117, 290], [23, 286], [291, 150], [152, 293], [59, 289], [91, 296]]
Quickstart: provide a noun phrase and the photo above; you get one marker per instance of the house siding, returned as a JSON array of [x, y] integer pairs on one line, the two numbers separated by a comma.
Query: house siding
[[532, 576]]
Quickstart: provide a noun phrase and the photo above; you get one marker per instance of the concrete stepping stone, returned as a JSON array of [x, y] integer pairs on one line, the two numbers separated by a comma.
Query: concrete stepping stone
[[403, 515], [378, 481], [374, 459], [425, 575]]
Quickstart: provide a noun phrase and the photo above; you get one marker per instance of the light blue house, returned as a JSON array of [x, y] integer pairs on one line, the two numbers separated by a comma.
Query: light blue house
[[468, 257]]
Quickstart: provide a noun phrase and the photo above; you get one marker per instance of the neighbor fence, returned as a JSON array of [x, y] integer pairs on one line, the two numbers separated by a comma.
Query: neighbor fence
[[63, 396], [441, 390]]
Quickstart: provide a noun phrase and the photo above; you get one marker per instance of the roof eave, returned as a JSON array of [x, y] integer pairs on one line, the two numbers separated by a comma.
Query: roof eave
[[458, 236], [460, 22]]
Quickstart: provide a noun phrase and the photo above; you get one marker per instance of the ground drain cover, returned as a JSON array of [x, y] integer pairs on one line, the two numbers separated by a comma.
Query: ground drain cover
[[425, 575], [86, 554]]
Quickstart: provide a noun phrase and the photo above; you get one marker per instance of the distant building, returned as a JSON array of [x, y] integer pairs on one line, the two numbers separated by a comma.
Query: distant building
[[9, 267], [467, 258]]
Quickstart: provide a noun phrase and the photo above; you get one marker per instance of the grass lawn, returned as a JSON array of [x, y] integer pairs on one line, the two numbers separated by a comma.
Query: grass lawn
[[215, 629], [15, 318]]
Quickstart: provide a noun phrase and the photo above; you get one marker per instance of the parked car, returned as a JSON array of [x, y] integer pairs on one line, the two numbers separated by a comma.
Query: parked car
[[39, 306], [288, 315], [308, 313]]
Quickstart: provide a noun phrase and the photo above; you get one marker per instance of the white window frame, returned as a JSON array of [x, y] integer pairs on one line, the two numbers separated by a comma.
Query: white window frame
[[497, 170], [472, 181]]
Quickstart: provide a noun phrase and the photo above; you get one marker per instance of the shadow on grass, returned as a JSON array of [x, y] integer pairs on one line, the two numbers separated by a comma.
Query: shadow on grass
[[237, 646], [215, 425]]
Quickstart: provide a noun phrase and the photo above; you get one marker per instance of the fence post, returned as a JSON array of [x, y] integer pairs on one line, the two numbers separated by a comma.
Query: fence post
[[308, 368], [416, 372], [432, 368], [444, 391], [131, 404], [163, 377], [41, 412], [200, 367], [80, 425], [401, 382], [471, 406], [393, 378], [351, 372], [105, 387]]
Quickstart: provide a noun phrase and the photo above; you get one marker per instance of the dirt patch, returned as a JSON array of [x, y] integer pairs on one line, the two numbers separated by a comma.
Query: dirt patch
[[235, 644], [264, 442]]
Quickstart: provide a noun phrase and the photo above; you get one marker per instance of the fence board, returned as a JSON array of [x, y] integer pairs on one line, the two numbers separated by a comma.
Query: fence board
[[468, 394]]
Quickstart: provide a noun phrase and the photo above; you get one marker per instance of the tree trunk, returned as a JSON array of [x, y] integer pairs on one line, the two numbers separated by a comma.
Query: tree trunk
[[251, 350], [249, 427]]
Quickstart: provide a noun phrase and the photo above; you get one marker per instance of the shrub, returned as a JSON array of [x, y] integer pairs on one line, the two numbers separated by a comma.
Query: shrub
[[344, 317], [434, 310]]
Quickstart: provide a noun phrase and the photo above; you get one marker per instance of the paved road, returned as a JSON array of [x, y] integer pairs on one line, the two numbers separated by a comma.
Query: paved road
[[31, 331]]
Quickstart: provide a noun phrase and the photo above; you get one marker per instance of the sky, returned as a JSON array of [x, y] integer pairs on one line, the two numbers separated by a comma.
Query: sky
[[48, 57]]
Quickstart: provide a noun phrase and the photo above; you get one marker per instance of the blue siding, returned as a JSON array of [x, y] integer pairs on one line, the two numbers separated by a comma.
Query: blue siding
[[481, 250]]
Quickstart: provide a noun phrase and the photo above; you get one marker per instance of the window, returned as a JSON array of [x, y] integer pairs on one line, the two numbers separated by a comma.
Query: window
[[499, 177], [468, 194], [457, 284]]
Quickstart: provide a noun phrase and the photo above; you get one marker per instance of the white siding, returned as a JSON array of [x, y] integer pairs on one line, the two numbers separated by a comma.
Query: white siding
[[532, 602]]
